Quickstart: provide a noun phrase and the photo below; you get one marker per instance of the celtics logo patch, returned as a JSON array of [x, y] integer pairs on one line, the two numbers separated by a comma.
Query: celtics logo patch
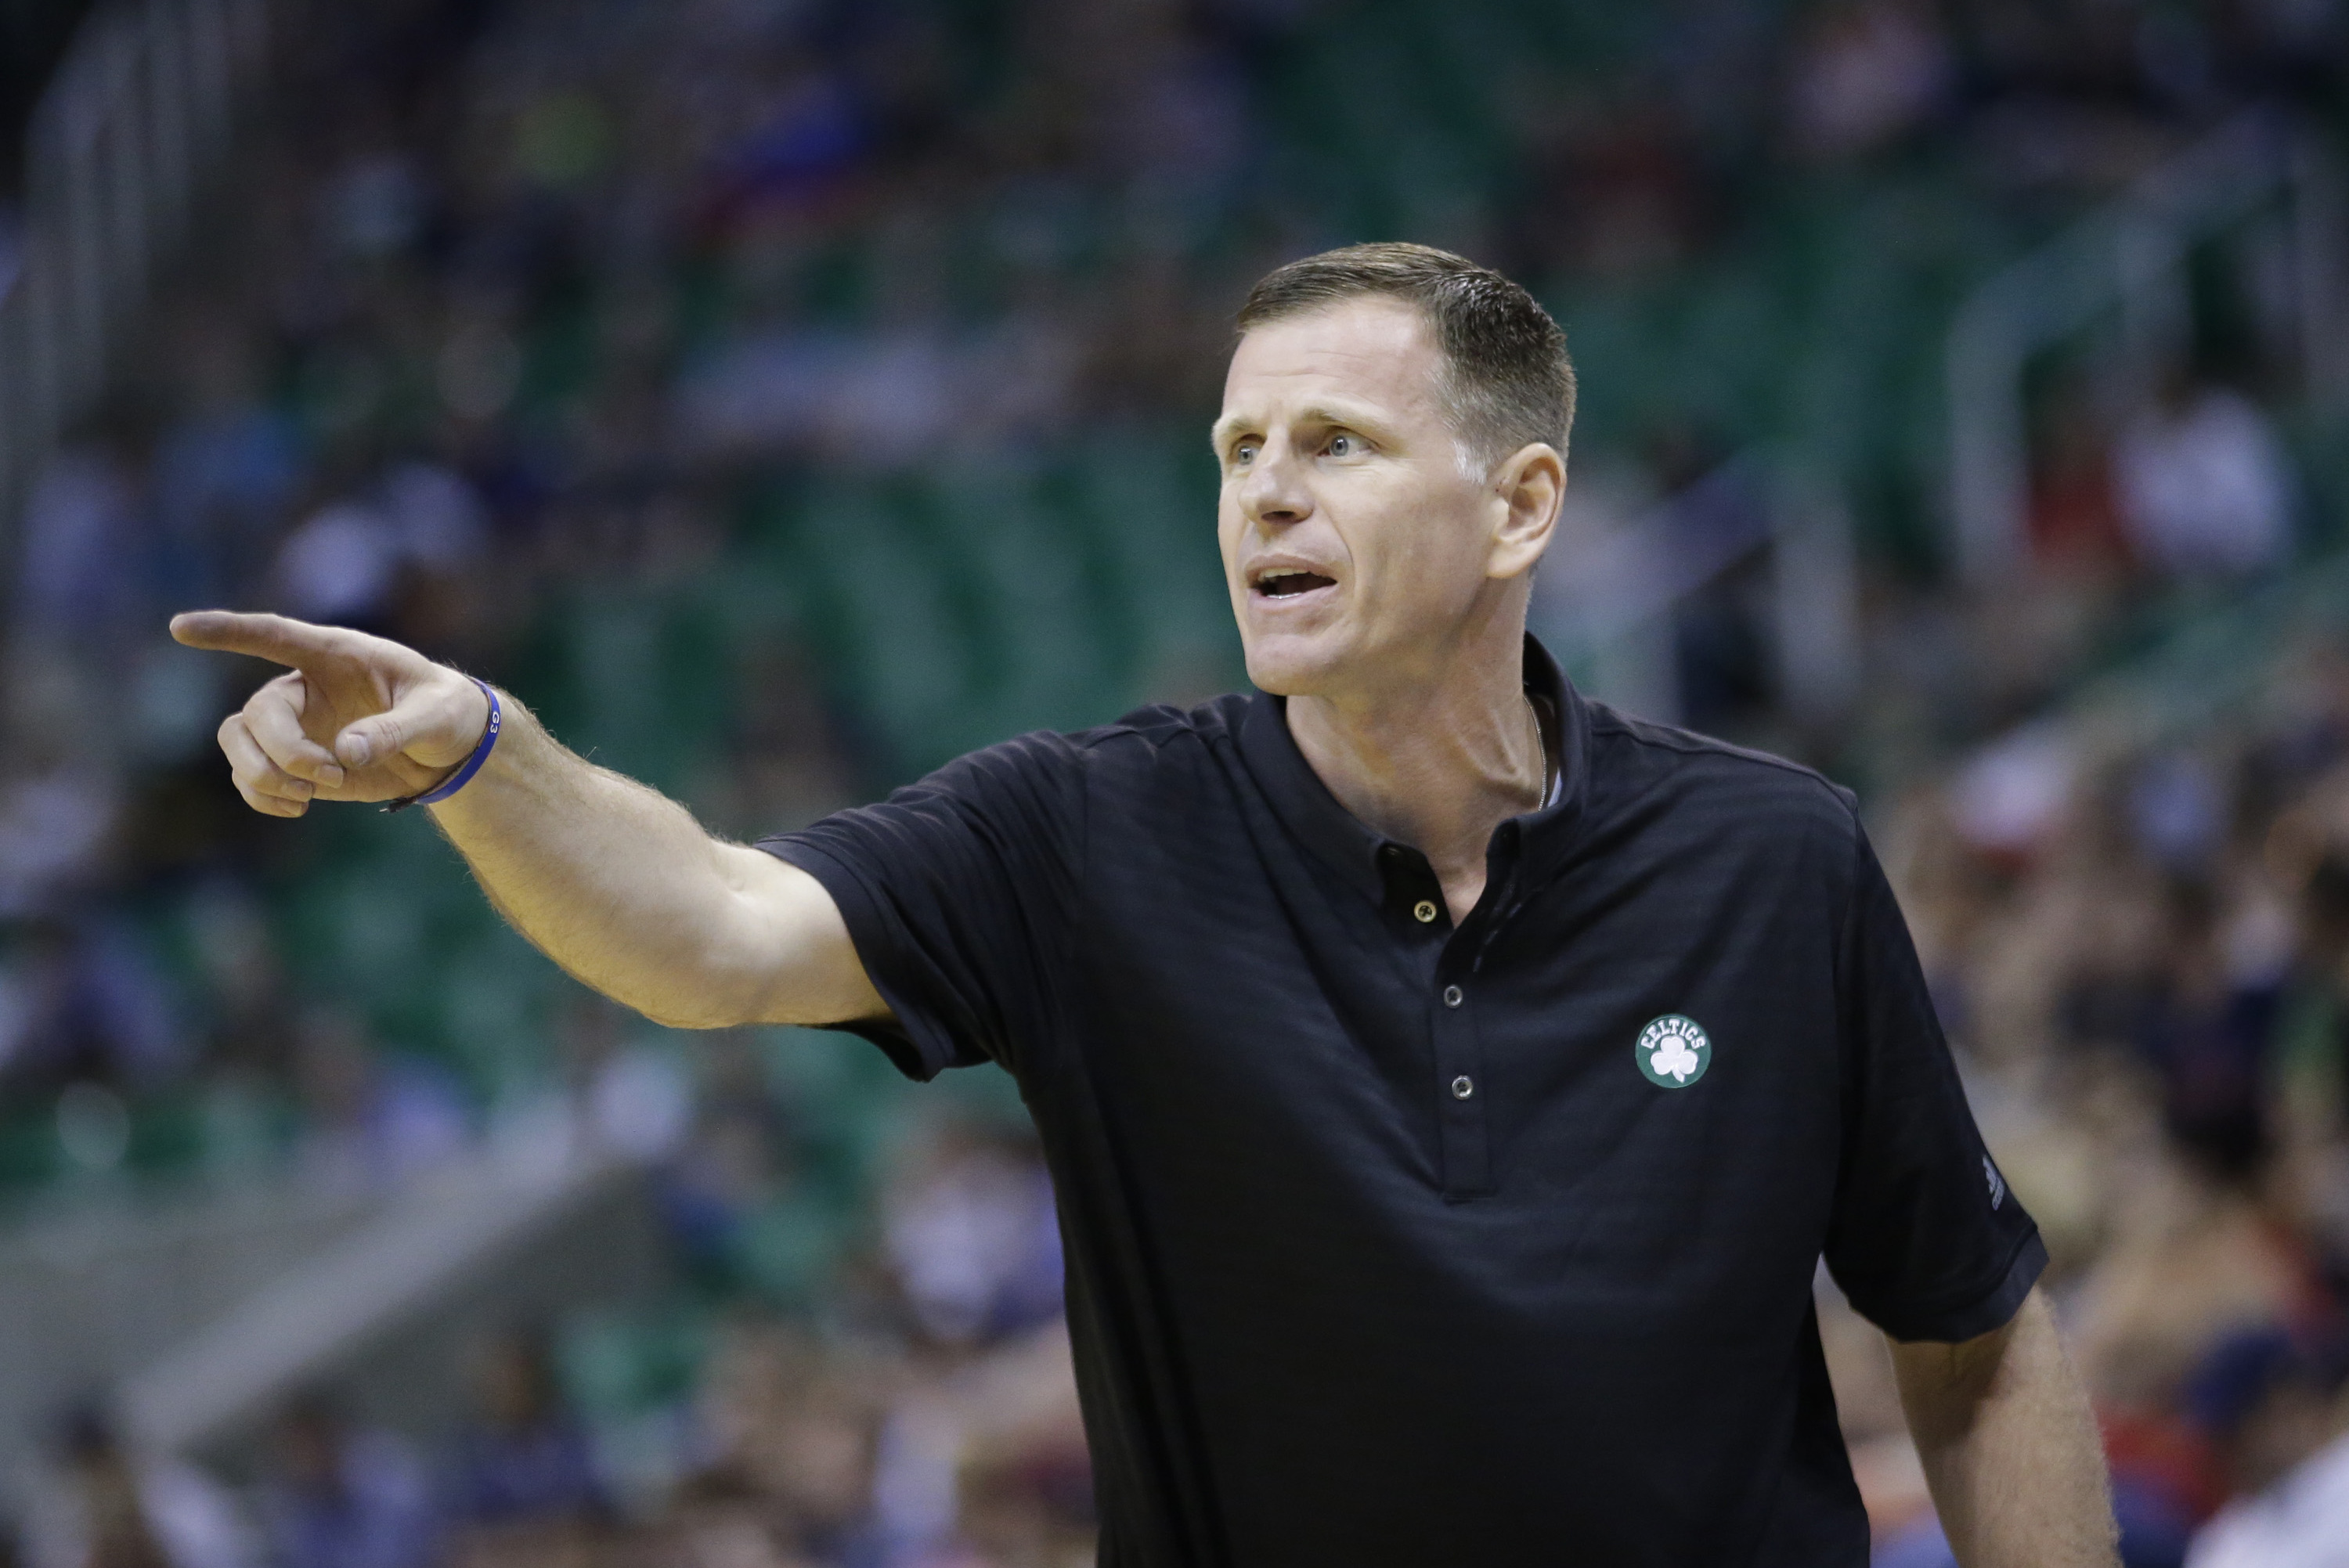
[[1673, 1051]]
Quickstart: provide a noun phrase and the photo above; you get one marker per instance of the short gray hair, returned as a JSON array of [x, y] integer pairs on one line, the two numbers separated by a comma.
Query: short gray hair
[[1508, 381]]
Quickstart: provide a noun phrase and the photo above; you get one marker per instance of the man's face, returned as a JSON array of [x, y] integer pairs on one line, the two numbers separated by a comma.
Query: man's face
[[1356, 542]]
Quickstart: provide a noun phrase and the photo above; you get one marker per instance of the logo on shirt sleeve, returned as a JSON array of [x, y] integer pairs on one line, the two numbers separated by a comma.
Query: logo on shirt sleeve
[[1673, 1051], [1997, 1183]]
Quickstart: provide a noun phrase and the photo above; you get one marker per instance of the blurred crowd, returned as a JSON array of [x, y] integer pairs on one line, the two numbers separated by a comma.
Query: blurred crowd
[[923, 1416], [511, 319], [2142, 950]]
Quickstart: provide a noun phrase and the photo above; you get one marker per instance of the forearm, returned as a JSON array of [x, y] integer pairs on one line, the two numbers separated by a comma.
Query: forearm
[[2010, 1446], [615, 881]]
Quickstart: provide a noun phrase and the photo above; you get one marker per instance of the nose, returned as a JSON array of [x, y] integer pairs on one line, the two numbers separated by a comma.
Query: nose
[[1274, 492]]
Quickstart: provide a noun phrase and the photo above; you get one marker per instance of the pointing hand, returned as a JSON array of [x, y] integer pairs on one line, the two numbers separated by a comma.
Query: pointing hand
[[355, 718]]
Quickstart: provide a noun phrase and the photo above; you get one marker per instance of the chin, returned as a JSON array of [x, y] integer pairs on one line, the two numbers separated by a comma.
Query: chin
[[1290, 665]]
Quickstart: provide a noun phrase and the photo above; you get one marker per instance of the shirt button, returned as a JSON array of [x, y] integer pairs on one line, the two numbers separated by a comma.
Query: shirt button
[[1462, 1087], [1424, 911], [1451, 995]]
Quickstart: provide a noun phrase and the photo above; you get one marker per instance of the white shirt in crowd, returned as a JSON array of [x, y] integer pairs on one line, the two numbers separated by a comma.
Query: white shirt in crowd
[[2302, 1521], [2205, 488]]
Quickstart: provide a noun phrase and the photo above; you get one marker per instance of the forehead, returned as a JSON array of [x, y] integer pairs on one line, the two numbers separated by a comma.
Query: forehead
[[1374, 350]]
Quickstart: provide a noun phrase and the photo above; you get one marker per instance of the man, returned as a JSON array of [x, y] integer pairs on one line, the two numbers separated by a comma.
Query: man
[[1451, 1085]]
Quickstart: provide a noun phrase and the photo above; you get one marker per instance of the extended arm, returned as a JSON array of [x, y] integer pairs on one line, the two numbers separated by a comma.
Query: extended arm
[[2009, 1445], [613, 881]]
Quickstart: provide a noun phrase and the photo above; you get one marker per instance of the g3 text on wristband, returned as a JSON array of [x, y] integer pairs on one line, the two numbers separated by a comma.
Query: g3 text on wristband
[[465, 772]]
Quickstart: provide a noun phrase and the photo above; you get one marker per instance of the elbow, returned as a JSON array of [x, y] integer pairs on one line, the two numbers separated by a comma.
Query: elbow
[[708, 1011], [706, 979], [669, 1020], [702, 1006]]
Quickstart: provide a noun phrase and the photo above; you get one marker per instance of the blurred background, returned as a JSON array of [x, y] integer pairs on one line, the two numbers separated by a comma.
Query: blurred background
[[785, 395]]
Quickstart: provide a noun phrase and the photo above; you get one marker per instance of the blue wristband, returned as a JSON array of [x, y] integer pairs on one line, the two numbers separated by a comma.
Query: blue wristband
[[464, 775]]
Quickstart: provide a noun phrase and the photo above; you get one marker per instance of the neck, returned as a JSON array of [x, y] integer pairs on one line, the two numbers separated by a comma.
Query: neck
[[1438, 762]]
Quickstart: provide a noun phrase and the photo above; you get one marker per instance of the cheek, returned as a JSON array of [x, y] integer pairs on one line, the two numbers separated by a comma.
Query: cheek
[[1413, 543], [1229, 528]]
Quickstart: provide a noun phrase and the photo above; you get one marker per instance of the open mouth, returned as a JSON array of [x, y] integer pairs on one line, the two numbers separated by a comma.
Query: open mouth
[[1286, 584]]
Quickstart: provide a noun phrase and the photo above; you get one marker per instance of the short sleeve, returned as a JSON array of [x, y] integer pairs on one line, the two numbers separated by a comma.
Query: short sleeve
[[957, 893], [1926, 1240]]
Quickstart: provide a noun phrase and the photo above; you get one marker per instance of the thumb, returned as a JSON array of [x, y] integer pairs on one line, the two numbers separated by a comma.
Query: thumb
[[437, 722], [375, 739]]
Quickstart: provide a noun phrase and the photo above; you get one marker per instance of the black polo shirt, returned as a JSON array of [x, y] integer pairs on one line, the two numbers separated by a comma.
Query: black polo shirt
[[1396, 1242]]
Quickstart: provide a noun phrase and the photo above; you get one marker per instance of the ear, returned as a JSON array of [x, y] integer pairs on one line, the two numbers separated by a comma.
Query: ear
[[1528, 489]]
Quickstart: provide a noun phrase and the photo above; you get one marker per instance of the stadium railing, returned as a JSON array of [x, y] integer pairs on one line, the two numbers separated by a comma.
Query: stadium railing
[[137, 114], [2130, 260]]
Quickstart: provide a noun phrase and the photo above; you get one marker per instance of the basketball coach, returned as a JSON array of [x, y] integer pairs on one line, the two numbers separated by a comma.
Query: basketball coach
[[1452, 1085]]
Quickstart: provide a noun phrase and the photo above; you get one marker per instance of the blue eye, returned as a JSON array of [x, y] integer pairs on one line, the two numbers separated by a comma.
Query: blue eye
[[1341, 446]]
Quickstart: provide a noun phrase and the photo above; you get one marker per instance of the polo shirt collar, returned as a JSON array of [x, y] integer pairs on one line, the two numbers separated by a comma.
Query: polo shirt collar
[[1313, 816]]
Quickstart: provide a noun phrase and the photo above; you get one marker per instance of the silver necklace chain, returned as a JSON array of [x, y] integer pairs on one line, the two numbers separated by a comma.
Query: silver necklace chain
[[1541, 745]]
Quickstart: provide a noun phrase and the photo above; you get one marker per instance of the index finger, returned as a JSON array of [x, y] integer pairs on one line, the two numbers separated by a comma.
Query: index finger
[[277, 638]]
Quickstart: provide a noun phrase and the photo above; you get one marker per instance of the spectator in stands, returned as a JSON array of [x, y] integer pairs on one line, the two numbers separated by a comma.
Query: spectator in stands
[[61, 805], [792, 1423], [395, 549], [344, 560], [103, 1506], [225, 471], [84, 1001], [2207, 1033], [84, 577], [524, 1460], [981, 1445], [2074, 518], [339, 1495], [1023, 1485], [728, 1195], [2272, 1410], [1868, 72], [2296, 1523], [631, 1099], [2204, 485], [970, 1235], [375, 1119]]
